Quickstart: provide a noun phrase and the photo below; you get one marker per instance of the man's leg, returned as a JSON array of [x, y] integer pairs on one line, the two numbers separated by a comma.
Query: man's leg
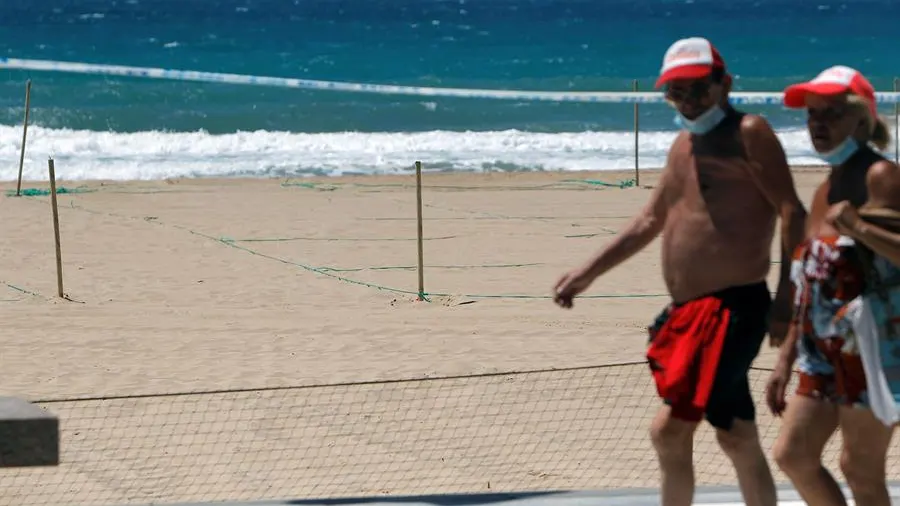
[[673, 439], [731, 409], [864, 454], [740, 442], [807, 425]]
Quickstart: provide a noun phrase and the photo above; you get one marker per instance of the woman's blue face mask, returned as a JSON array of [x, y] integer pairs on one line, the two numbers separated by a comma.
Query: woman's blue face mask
[[832, 124]]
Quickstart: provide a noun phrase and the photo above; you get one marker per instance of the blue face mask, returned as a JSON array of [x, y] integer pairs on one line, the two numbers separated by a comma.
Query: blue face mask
[[841, 153], [703, 123]]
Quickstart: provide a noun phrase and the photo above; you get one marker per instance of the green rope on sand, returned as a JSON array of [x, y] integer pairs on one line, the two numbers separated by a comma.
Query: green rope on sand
[[43, 192], [19, 289], [332, 272], [311, 186], [325, 271], [628, 183]]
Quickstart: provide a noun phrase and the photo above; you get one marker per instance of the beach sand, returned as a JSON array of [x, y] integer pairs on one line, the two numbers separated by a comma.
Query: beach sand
[[208, 285]]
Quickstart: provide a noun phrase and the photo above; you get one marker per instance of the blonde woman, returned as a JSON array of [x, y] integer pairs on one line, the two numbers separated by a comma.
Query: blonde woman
[[844, 262]]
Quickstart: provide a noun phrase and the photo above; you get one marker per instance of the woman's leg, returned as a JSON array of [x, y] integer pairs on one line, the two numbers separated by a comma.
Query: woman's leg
[[863, 457], [808, 424]]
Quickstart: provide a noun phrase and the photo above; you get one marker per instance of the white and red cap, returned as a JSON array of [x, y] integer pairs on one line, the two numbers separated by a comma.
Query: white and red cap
[[832, 81], [691, 58]]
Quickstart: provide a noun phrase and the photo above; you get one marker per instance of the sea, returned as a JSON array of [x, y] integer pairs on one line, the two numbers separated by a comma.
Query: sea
[[127, 128]]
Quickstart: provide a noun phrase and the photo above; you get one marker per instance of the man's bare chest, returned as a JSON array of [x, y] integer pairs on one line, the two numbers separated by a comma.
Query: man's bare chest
[[719, 186]]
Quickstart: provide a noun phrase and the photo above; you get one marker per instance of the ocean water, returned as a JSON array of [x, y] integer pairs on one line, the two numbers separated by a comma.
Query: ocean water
[[131, 128]]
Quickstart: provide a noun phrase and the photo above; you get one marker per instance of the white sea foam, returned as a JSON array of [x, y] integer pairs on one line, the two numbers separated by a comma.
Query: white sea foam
[[83, 155]]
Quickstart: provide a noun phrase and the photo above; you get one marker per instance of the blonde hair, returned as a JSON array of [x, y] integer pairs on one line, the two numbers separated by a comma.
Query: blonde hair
[[879, 134]]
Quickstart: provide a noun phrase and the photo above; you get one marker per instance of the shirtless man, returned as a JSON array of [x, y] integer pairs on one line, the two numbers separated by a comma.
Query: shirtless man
[[845, 256], [725, 183]]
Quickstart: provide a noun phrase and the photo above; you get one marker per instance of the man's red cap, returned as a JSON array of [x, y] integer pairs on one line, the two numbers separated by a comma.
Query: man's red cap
[[691, 58]]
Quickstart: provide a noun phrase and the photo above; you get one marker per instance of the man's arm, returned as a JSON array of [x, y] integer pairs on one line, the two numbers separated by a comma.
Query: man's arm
[[639, 233], [773, 176], [883, 184]]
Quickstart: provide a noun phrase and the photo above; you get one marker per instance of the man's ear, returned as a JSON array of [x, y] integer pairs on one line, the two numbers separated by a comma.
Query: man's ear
[[726, 89], [727, 81]]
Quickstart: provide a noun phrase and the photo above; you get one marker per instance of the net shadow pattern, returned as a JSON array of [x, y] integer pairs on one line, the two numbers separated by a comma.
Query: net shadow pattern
[[582, 428]]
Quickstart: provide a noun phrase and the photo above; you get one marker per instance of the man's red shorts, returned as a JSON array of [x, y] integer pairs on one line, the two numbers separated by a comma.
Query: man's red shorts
[[700, 353]]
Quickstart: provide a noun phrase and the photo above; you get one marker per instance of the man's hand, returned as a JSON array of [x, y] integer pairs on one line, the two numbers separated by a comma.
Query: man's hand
[[633, 238], [843, 217], [570, 285]]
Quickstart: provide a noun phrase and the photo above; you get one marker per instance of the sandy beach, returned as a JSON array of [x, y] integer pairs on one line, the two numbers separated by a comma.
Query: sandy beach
[[248, 288]]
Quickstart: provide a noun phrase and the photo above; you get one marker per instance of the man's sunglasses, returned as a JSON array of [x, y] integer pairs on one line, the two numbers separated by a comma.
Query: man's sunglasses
[[697, 90]]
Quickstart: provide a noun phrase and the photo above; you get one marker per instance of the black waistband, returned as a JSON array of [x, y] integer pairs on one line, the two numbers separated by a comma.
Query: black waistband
[[754, 293]]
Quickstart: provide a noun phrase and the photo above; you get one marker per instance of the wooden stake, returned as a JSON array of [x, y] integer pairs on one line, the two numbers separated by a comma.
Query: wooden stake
[[896, 125], [59, 275], [419, 226], [24, 135], [637, 174]]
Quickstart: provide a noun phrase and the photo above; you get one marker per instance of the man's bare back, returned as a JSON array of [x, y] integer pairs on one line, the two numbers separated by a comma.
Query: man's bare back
[[720, 225]]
